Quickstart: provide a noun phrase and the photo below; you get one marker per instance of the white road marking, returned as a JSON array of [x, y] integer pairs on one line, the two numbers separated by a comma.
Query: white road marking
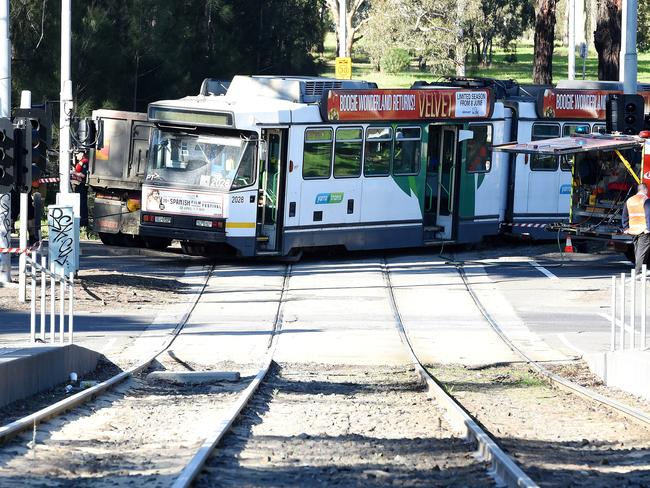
[[542, 269], [566, 342], [108, 346]]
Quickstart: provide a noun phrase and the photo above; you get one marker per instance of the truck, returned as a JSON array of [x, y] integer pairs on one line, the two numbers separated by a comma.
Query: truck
[[116, 172], [606, 169]]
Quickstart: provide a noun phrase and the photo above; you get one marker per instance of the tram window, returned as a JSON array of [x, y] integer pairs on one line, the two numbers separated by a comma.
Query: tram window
[[566, 163], [539, 162], [347, 152], [317, 155], [571, 129], [379, 141], [245, 175], [406, 160], [479, 149], [599, 129], [545, 131]]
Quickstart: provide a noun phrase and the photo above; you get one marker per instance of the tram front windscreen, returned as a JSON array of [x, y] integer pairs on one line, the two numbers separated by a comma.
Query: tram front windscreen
[[207, 161]]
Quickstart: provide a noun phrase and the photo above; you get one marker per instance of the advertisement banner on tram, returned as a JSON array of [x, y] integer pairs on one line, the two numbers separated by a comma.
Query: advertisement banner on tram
[[424, 104], [558, 103], [177, 201]]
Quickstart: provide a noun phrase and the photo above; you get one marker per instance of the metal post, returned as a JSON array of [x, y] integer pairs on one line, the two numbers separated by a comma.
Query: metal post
[[43, 291], [644, 270], [621, 54], [5, 111], [61, 312], [621, 342], [632, 307], [22, 259], [343, 25], [612, 340], [66, 97], [630, 70], [32, 320], [52, 304], [70, 306], [572, 39]]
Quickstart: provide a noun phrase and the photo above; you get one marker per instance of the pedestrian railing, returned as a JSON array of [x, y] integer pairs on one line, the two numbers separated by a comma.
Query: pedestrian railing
[[65, 286], [627, 292]]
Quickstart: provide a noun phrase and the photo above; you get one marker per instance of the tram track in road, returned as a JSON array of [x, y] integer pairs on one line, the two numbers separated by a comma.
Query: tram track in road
[[557, 380], [502, 466], [104, 442], [557, 436]]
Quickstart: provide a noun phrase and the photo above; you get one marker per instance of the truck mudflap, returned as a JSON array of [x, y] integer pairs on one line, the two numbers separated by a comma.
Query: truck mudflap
[[112, 217]]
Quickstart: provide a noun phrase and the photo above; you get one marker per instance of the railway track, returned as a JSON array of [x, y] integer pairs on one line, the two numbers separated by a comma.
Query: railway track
[[102, 442], [556, 436], [313, 396]]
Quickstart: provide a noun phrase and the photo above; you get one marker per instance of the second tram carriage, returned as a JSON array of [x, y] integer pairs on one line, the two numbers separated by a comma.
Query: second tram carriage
[[280, 164]]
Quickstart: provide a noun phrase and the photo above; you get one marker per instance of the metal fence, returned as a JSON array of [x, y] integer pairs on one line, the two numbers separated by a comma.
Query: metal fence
[[627, 292], [65, 286]]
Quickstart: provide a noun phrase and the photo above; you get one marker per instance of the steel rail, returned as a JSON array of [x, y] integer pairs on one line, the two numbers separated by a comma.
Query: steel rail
[[564, 383], [27, 422], [196, 464], [502, 467]]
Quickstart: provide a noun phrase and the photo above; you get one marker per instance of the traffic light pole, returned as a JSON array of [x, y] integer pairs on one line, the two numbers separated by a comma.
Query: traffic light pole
[[66, 97], [630, 69], [5, 111]]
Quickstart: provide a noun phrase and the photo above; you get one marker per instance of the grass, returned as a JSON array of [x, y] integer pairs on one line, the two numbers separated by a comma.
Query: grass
[[521, 70]]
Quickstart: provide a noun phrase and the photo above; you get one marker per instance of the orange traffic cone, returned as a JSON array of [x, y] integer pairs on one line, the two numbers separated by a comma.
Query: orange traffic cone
[[568, 247]]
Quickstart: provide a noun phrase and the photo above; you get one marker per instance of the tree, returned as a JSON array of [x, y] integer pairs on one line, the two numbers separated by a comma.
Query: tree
[[607, 38], [544, 37], [490, 20], [355, 18]]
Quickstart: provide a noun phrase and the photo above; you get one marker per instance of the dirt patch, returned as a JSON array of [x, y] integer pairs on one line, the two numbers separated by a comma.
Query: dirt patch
[[558, 438], [322, 425], [99, 290]]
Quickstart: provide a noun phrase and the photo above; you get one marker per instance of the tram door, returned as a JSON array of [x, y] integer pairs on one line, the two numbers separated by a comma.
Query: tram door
[[270, 193], [439, 196], [446, 183]]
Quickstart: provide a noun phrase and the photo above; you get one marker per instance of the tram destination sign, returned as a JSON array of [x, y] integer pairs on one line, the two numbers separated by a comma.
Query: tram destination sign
[[423, 104], [558, 103]]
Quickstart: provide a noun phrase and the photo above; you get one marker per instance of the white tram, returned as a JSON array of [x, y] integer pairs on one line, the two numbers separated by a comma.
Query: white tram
[[280, 164]]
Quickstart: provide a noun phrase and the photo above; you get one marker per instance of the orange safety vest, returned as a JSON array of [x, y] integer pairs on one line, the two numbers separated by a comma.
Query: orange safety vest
[[636, 213]]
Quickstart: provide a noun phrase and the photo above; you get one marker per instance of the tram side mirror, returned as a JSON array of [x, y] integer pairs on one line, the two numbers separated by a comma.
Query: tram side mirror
[[464, 135]]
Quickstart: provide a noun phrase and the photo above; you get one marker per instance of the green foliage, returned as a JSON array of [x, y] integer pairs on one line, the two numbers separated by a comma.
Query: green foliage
[[395, 60], [127, 53], [643, 32]]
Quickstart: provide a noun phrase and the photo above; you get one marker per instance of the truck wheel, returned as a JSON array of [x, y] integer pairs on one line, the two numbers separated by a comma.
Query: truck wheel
[[109, 239], [629, 253], [157, 243]]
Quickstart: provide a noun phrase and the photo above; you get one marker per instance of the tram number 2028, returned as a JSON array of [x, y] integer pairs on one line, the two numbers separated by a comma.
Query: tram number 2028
[[237, 199]]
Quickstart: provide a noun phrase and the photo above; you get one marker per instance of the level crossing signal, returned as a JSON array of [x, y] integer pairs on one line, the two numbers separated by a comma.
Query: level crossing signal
[[625, 113], [7, 162], [40, 118], [23, 154]]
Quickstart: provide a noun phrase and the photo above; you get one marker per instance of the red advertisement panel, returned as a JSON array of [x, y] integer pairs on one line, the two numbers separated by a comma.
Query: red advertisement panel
[[577, 104], [433, 104]]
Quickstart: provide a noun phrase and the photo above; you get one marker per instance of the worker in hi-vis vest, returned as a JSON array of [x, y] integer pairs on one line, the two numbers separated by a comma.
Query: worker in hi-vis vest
[[636, 219]]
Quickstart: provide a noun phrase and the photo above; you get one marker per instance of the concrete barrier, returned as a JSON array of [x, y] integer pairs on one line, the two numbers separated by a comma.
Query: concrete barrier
[[25, 372], [627, 370]]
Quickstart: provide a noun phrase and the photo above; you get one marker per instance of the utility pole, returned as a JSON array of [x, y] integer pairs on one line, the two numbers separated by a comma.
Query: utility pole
[[343, 26], [572, 40], [5, 112], [621, 54], [66, 96], [630, 72]]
